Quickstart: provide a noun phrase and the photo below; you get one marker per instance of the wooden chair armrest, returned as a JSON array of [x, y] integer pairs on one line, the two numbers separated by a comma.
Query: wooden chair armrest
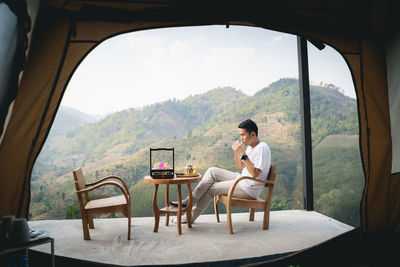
[[104, 183], [119, 179], [258, 180], [232, 189]]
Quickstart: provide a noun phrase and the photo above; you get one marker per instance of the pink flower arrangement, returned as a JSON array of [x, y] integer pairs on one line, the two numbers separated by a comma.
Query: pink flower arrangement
[[161, 166]]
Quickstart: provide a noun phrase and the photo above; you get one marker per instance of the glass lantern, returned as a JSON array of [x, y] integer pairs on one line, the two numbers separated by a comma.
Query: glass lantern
[[162, 161]]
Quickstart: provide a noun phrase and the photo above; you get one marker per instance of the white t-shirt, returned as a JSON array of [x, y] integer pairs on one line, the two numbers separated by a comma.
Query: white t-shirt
[[260, 156]]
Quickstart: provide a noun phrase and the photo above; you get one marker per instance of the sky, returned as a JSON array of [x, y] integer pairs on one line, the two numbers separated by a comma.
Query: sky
[[146, 67]]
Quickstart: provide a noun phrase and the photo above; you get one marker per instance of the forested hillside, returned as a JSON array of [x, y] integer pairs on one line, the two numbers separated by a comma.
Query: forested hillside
[[202, 128]]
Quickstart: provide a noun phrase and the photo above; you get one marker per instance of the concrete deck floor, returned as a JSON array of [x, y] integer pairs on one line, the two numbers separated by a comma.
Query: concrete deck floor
[[290, 230]]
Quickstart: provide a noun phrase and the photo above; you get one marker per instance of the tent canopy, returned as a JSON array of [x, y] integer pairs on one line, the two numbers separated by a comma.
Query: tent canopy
[[66, 31]]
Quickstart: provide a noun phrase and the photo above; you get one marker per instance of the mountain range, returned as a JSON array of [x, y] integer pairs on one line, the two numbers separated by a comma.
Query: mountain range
[[201, 128], [69, 118]]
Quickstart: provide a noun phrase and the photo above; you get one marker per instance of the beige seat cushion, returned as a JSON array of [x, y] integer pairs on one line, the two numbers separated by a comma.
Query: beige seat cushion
[[106, 202]]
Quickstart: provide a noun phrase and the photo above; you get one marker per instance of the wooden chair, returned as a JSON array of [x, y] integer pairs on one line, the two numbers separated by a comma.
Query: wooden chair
[[230, 201], [121, 203]]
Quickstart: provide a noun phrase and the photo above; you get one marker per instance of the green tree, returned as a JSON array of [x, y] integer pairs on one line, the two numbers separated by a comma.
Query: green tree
[[73, 212]]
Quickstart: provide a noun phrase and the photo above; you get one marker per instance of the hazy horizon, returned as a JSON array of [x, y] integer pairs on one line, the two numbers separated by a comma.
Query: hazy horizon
[[141, 107]]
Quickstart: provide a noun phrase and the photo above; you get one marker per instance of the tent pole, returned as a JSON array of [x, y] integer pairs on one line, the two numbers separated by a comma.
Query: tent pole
[[304, 87]]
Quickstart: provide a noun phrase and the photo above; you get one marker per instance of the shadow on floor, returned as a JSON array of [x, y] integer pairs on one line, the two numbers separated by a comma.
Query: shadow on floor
[[352, 248], [40, 259]]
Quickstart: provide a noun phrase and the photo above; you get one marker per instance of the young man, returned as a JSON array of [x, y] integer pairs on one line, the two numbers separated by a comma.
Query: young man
[[254, 161]]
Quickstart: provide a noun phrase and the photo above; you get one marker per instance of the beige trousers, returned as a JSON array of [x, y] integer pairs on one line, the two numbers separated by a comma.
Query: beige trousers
[[216, 181]]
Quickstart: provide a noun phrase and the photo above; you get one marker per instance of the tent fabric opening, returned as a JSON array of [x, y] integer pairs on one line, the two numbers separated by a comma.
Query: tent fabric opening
[[66, 31]]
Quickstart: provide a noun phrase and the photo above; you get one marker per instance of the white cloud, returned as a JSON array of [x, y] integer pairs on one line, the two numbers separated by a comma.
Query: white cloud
[[229, 56], [179, 48], [141, 41], [278, 38]]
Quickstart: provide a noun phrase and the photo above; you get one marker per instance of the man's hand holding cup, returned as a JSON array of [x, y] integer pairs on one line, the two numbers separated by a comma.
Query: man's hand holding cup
[[238, 148]]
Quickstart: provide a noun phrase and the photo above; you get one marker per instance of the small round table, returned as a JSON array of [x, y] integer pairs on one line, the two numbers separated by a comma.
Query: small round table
[[171, 209]]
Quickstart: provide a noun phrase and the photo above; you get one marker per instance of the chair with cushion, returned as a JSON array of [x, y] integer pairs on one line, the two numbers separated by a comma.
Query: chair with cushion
[[229, 201], [89, 208]]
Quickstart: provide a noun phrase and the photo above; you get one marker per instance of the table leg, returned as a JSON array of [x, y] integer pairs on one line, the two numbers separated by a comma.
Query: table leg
[[155, 209], [167, 204], [53, 262], [189, 207], [179, 213]]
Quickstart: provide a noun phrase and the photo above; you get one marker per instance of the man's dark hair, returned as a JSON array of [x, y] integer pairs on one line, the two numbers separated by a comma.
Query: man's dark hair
[[249, 126]]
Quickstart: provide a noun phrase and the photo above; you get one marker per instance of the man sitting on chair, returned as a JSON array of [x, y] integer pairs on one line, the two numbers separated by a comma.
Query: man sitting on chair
[[254, 161]]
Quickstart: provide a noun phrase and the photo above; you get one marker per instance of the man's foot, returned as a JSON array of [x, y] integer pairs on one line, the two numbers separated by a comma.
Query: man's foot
[[175, 203], [183, 220]]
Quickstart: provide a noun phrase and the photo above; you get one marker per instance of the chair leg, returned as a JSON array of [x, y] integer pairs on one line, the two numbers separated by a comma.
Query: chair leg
[[266, 220], [129, 225], [91, 223], [229, 216], [216, 207], [86, 235], [251, 214], [166, 219]]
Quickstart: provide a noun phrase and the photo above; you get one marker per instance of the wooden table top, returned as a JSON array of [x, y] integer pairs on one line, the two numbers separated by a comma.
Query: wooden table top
[[176, 180]]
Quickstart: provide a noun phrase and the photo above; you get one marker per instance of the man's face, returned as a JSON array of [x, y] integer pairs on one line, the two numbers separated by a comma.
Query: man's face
[[245, 137]]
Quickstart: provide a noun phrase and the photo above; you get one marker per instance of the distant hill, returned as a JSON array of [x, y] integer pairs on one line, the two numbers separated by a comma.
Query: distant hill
[[201, 128], [338, 178], [68, 119], [128, 131], [333, 141]]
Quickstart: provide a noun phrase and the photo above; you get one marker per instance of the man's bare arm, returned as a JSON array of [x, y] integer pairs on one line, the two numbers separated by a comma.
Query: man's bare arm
[[238, 162], [250, 167]]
